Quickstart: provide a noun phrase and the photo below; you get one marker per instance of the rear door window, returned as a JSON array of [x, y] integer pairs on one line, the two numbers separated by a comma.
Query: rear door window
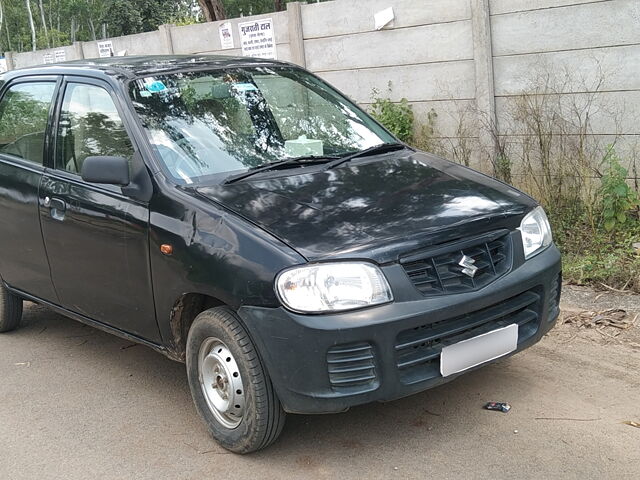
[[24, 113]]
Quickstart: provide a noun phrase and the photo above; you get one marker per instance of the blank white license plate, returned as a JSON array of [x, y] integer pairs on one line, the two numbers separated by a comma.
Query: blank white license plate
[[477, 350]]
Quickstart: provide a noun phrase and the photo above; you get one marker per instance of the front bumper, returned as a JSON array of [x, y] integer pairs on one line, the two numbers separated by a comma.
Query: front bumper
[[328, 363]]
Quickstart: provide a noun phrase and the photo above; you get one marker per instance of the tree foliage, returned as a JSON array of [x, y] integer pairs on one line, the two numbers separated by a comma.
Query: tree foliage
[[397, 117], [61, 22]]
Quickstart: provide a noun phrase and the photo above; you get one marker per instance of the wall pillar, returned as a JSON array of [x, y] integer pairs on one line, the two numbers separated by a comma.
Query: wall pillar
[[165, 30], [78, 51], [85, 46], [8, 56], [485, 88], [296, 35]]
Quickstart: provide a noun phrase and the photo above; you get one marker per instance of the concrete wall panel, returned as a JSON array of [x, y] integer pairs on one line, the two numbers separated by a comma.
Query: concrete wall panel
[[437, 81], [431, 43], [27, 59], [610, 113], [450, 115], [150, 43], [626, 146], [454, 118], [591, 25], [615, 68], [498, 7], [344, 17]]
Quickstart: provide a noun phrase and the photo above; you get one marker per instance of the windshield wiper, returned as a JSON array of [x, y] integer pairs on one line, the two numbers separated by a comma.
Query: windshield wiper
[[332, 161], [382, 148], [298, 161]]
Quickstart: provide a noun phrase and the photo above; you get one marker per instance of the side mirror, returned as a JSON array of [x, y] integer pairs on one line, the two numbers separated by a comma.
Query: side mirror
[[108, 170]]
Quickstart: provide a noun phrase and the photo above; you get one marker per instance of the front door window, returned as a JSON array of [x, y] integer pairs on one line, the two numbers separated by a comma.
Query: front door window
[[89, 126]]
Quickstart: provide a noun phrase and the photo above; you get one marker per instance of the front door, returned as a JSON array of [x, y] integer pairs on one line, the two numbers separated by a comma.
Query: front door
[[96, 236], [24, 114]]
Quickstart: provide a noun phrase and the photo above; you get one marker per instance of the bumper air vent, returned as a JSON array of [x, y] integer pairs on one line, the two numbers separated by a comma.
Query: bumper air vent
[[352, 368]]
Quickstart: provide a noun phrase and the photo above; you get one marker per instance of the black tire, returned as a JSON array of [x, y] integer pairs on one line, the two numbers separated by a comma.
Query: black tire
[[262, 416], [10, 310]]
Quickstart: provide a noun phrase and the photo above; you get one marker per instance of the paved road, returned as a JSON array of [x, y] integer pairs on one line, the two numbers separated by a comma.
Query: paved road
[[81, 404]]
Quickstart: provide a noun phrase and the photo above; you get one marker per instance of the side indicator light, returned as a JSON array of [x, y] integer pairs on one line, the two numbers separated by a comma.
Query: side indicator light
[[166, 249]]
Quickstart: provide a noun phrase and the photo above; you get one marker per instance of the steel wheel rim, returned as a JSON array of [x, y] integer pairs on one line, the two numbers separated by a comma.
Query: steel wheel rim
[[221, 382]]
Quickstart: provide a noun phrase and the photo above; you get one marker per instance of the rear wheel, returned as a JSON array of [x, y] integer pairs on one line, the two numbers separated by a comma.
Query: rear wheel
[[230, 386], [10, 310]]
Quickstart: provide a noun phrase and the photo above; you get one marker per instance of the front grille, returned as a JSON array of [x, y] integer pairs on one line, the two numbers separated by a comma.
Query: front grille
[[437, 271], [352, 367], [418, 349]]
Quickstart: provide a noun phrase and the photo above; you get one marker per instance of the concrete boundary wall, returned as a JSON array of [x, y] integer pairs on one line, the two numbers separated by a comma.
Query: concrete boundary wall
[[466, 60], [198, 39], [582, 55], [426, 55]]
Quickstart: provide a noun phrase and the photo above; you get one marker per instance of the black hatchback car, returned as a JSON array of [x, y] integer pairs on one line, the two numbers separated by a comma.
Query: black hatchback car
[[244, 217]]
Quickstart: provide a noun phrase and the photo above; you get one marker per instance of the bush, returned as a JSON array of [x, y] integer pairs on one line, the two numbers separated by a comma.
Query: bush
[[597, 237], [618, 199], [398, 118], [607, 260]]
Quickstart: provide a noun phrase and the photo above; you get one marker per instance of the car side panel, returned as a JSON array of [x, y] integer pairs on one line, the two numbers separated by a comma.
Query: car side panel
[[99, 255], [215, 253], [97, 242], [23, 259]]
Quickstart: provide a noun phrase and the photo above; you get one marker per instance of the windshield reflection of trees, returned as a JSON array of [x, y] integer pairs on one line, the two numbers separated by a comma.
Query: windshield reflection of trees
[[90, 134], [105, 136], [23, 117], [251, 113]]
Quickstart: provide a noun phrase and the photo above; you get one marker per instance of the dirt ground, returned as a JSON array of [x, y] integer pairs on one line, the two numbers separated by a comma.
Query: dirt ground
[[80, 404]]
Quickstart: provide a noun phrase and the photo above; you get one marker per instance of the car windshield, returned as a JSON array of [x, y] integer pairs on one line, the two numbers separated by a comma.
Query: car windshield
[[206, 123]]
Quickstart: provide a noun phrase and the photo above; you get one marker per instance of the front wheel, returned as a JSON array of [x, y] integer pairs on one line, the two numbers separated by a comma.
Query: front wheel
[[230, 386], [10, 310]]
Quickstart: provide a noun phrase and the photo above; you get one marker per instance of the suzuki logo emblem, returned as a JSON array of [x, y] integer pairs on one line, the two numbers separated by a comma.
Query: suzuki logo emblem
[[468, 267]]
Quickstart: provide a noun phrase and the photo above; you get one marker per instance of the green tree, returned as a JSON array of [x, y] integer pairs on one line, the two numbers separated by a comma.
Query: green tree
[[31, 24], [237, 8], [37, 24]]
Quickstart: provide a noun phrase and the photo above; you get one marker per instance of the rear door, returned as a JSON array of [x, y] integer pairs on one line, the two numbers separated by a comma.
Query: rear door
[[96, 236], [25, 109]]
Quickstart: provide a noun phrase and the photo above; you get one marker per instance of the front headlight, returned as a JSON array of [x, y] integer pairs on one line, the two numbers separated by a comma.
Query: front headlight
[[332, 287], [536, 232]]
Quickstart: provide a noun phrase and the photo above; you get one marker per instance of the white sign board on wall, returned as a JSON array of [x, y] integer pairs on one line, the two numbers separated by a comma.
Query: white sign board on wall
[[105, 49], [258, 39], [60, 55], [226, 36], [47, 58], [3, 64]]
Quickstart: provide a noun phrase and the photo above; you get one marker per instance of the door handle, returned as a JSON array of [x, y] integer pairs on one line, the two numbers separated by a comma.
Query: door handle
[[57, 207]]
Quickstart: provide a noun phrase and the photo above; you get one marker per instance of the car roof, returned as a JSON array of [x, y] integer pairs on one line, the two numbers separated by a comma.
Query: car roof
[[139, 66]]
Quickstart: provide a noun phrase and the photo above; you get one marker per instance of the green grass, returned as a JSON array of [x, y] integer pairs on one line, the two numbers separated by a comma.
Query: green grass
[[601, 258]]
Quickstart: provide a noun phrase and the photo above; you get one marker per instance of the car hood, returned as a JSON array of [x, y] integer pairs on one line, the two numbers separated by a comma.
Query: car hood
[[376, 207]]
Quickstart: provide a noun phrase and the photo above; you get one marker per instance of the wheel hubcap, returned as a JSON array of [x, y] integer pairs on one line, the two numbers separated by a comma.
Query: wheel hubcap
[[221, 382]]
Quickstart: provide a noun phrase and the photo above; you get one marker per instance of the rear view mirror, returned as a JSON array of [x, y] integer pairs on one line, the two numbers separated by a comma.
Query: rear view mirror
[[108, 170]]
